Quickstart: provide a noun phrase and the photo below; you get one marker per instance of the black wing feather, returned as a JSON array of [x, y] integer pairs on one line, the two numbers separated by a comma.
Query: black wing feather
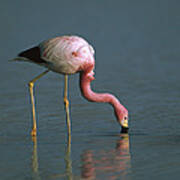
[[33, 54]]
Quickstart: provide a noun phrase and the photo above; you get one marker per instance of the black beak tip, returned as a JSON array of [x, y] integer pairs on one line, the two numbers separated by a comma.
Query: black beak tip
[[124, 130]]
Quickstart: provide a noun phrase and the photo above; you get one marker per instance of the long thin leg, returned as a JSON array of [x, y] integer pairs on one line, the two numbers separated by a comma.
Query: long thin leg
[[31, 85], [66, 103]]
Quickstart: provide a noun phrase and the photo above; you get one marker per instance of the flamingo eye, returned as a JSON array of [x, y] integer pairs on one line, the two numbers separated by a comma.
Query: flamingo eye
[[125, 118]]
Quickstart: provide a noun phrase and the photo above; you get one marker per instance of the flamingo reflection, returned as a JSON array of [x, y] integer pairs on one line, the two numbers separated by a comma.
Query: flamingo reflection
[[35, 164], [112, 164], [68, 162]]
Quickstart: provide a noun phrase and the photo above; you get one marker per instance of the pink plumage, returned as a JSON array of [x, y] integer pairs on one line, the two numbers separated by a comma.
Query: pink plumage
[[69, 55]]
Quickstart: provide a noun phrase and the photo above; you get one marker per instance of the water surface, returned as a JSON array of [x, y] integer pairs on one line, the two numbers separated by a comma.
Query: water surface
[[137, 58]]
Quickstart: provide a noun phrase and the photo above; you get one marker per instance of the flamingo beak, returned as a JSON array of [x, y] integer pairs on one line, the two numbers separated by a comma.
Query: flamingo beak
[[124, 126], [124, 130]]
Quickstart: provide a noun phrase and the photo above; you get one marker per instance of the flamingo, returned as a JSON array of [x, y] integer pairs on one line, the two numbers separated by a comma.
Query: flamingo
[[68, 55]]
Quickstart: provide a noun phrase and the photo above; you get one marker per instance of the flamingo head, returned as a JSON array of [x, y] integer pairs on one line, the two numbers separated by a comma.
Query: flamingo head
[[122, 118], [124, 124]]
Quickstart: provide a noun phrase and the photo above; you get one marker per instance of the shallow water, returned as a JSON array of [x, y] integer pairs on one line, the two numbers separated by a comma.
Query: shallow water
[[137, 59]]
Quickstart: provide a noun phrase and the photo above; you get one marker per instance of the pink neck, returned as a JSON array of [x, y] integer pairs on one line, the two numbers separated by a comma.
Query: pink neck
[[85, 80]]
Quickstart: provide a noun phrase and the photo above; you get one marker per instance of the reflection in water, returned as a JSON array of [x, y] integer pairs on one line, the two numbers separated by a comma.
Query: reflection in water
[[35, 165], [112, 164], [68, 162]]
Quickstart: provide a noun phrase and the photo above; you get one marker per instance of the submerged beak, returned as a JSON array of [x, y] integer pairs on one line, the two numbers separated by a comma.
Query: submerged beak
[[124, 126], [124, 130]]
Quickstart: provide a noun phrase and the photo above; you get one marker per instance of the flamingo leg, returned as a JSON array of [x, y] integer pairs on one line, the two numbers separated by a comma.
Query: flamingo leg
[[66, 104], [31, 85]]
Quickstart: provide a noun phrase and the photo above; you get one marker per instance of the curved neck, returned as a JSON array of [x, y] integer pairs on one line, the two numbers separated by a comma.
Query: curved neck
[[85, 80]]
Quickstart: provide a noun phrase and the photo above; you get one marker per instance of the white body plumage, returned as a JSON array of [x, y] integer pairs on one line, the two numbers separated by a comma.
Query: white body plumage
[[66, 54]]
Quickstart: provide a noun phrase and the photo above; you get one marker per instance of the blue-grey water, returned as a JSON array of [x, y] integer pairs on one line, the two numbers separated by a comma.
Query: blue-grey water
[[137, 47]]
